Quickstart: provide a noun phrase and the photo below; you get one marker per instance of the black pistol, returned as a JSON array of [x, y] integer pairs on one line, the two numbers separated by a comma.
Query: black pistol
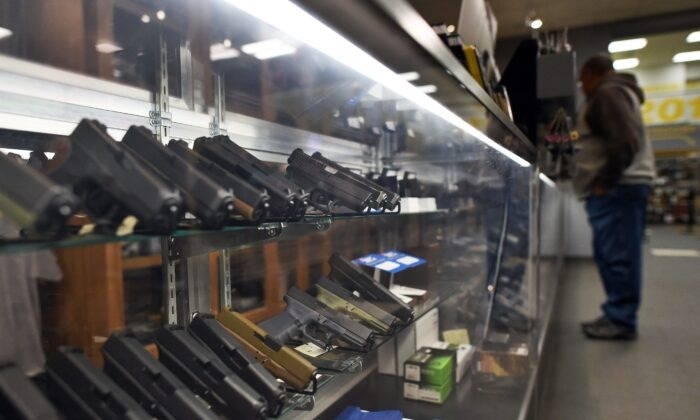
[[305, 316], [150, 383], [112, 184], [219, 340], [381, 196], [80, 389], [208, 201], [20, 398], [250, 202], [207, 376], [32, 200], [329, 186], [287, 200]]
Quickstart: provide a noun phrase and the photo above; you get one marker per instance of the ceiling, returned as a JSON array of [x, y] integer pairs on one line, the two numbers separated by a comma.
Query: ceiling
[[511, 14], [661, 48]]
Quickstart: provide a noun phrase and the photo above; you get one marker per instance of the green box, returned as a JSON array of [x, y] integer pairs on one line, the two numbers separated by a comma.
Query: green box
[[436, 394], [430, 366]]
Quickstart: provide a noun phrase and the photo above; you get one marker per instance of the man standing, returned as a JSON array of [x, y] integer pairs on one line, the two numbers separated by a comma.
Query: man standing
[[615, 167]]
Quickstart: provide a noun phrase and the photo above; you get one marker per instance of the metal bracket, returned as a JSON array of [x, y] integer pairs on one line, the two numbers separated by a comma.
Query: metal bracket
[[307, 404], [170, 279], [160, 117], [218, 121], [225, 279], [273, 229]]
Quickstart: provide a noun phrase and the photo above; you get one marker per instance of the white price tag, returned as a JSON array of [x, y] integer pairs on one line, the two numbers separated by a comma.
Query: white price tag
[[408, 260], [387, 266]]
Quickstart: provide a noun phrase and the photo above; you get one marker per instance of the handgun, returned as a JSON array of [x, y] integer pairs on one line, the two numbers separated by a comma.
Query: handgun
[[353, 278], [20, 398], [287, 200], [32, 200], [80, 389], [112, 184], [305, 316], [329, 186], [381, 197], [280, 360], [249, 201], [336, 297], [150, 383], [231, 351], [207, 376], [208, 201], [274, 177]]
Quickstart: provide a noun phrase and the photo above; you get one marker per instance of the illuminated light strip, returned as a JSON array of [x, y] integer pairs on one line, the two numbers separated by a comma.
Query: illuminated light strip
[[544, 178], [292, 20]]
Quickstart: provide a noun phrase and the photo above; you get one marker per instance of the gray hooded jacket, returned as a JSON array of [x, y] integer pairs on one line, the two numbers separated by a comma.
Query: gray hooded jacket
[[614, 146]]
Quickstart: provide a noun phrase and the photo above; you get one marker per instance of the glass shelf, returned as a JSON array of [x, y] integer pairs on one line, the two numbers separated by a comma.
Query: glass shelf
[[195, 241]]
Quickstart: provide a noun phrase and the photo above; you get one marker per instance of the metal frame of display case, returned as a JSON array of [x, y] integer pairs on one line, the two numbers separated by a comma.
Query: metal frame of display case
[[42, 99]]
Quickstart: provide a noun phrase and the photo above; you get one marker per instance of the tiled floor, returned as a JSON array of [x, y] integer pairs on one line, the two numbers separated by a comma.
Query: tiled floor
[[658, 376]]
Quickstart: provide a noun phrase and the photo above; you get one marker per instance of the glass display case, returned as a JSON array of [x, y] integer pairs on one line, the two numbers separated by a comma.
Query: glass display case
[[471, 252]]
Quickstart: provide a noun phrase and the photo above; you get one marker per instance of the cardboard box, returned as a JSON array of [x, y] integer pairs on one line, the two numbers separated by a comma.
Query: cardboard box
[[430, 366], [421, 333], [426, 392], [463, 357]]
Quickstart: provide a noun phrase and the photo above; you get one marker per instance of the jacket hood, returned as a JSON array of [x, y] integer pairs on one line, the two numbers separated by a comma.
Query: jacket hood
[[624, 80]]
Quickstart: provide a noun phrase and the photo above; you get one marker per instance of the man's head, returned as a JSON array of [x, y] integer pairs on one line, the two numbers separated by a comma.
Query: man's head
[[593, 71]]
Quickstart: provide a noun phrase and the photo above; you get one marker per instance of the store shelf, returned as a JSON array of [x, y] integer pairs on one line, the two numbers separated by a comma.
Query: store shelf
[[193, 241]]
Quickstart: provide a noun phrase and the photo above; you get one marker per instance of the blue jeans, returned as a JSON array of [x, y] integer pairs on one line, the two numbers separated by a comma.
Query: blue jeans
[[618, 218]]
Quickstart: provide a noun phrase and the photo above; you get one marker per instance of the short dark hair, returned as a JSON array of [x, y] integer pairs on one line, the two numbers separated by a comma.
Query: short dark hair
[[599, 64]]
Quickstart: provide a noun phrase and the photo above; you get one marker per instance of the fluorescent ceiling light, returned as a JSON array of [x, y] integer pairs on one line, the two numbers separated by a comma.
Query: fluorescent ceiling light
[[627, 45], [544, 178], [410, 76], [625, 63], [295, 22], [686, 56], [107, 47], [692, 37], [267, 49], [427, 88], [220, 51], [536, 23], [4, 32]]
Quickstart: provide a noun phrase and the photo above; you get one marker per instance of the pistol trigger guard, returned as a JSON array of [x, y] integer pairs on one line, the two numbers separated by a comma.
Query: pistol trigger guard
[[321, 343]]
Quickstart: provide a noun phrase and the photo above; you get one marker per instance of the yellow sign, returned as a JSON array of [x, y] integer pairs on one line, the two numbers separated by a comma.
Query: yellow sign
[[671, 110]]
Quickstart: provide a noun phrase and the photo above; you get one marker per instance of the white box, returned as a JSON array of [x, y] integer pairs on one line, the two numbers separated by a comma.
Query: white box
[[463, 357], [421, 333]]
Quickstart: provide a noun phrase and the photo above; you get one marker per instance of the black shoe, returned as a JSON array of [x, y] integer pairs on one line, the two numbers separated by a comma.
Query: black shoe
[[608, 330], [600, 320]]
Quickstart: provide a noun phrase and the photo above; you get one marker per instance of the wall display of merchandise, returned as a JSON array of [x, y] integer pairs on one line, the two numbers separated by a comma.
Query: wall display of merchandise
[[674, 197], [223, 209]]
